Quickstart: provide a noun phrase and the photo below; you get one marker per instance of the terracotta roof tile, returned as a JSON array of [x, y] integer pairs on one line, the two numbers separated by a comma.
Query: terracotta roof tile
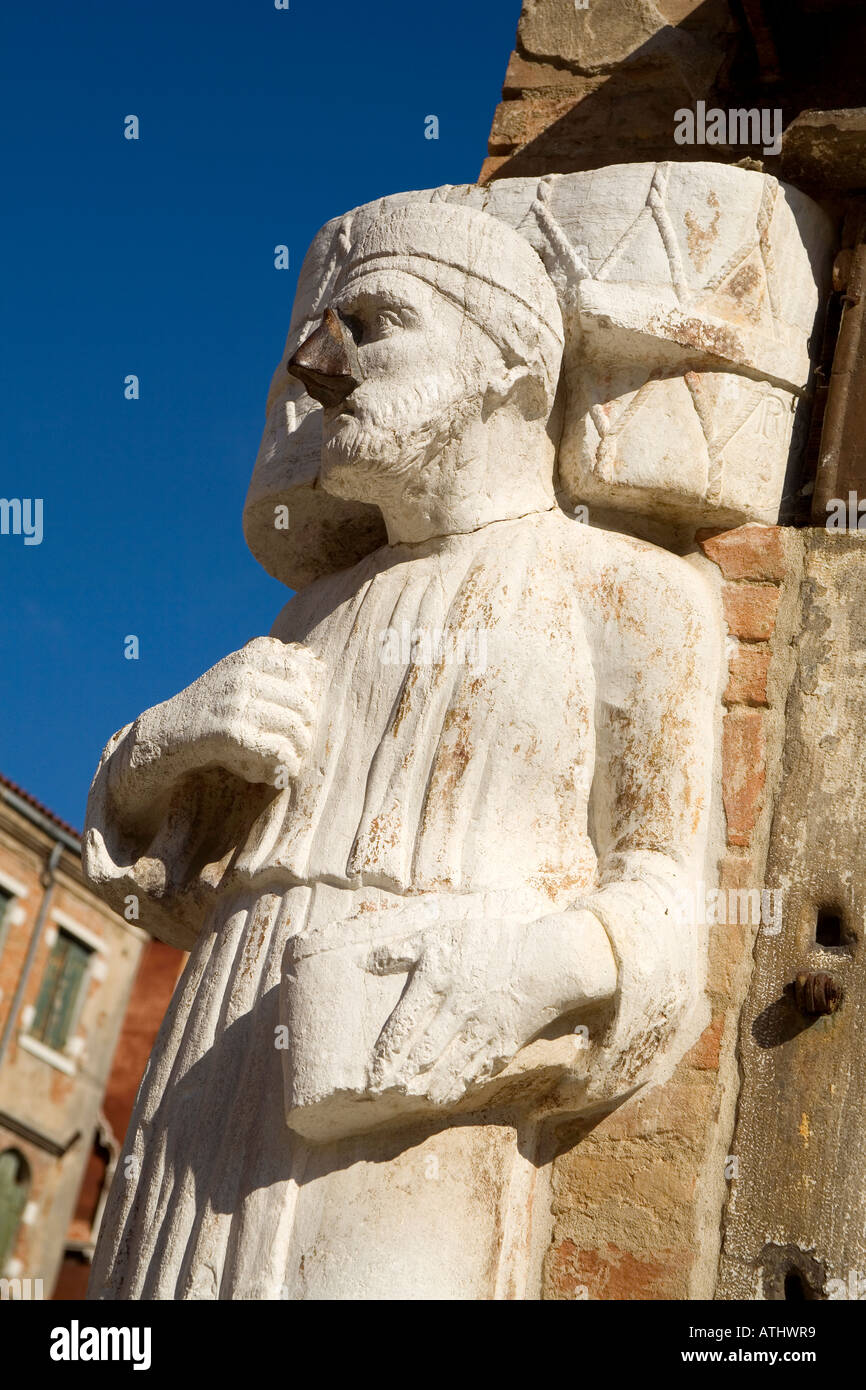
[[38, 806]]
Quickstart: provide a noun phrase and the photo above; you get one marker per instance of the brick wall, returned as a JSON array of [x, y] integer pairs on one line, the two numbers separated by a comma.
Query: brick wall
[[49, 1109], [638, 1197]]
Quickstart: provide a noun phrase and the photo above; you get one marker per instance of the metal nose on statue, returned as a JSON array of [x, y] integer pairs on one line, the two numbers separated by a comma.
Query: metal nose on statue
[[322, 362]]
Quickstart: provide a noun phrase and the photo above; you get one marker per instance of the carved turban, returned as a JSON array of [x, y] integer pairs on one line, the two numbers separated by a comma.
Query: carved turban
[[478, 263]]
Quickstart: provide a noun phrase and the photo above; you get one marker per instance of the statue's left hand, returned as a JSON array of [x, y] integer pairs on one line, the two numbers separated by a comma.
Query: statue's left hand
[[478, 991]]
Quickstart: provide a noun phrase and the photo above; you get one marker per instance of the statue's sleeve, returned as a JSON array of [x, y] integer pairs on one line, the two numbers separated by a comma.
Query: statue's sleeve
[[657, 660], [164, 873]]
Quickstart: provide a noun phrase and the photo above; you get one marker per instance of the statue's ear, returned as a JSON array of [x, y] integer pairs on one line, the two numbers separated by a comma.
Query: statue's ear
[[521, 385]]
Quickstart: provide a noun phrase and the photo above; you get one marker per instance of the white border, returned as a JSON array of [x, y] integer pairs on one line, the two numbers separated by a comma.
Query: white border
[[46, 1054], [87, 937], [18, 890]]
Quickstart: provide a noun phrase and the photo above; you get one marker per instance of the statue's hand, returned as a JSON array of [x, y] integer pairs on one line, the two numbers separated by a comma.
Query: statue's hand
[[252, 713], [478, 991]]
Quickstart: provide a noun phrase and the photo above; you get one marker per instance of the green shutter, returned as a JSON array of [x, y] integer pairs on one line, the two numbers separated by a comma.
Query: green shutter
[[58, 995], [14, 1185]]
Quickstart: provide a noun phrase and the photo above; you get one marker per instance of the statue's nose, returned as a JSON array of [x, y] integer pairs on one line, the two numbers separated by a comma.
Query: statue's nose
[[323, 364]]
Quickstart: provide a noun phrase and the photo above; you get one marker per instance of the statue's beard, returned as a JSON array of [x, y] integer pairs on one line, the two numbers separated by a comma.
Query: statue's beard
[[385, 434]]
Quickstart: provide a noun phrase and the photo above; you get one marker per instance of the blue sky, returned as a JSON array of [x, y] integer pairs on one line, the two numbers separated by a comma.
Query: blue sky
[[156, 257]]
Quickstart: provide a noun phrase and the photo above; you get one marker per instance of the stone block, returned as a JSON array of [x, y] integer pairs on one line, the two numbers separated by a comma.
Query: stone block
[[827, 149]]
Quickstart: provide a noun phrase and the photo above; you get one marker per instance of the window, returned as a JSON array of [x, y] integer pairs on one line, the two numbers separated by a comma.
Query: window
[[6, 901], [14, 1186], [12, 894], [59, 995]]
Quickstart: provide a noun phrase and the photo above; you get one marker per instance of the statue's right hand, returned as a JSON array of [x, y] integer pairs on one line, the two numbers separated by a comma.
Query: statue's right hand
[[252, 713]]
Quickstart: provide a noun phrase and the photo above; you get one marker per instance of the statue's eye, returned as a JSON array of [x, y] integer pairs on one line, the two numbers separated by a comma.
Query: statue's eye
[[384, 320], [370, 323]]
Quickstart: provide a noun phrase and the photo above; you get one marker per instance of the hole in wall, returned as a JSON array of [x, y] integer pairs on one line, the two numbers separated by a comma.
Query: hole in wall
[[794, 1288], [797, 1288], [791, 1275], [831, 931]]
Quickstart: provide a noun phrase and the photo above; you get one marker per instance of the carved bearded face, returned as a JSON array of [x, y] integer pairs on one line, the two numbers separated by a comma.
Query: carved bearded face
[[423, 369]]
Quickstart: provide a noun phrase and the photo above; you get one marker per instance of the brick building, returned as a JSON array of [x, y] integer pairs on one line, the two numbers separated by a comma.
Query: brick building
[[82, 993]]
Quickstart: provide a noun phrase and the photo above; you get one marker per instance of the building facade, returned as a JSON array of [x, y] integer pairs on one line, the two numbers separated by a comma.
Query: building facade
[[82, 992]]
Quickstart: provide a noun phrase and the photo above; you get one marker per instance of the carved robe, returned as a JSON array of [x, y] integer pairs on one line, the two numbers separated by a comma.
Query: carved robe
[[501, 730]]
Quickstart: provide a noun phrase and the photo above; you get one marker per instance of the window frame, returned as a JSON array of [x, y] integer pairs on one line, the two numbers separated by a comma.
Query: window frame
[[16, 892], [65, 1060], [71, 1014]]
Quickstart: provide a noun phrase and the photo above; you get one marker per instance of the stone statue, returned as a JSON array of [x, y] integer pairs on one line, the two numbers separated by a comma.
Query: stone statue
[[433, 843]]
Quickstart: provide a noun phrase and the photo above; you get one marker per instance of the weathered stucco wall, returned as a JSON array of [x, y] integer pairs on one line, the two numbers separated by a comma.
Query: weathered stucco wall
[[797, 1210]]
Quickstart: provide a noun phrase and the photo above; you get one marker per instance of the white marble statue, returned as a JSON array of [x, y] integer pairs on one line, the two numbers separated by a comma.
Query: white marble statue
[[429, 842]]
